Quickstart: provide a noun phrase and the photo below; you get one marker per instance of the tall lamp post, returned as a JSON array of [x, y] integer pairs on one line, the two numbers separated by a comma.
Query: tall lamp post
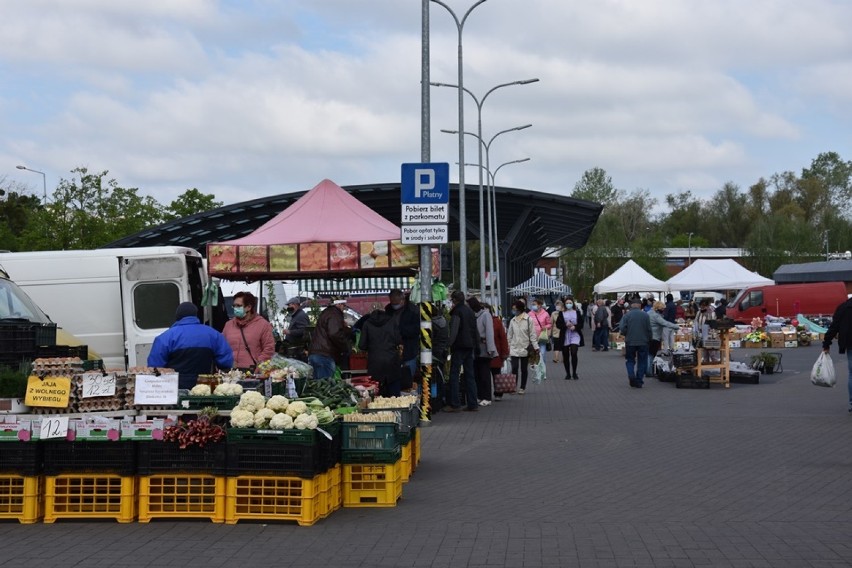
[[479, 102], [689, 249], [462, 209], [43, 178]]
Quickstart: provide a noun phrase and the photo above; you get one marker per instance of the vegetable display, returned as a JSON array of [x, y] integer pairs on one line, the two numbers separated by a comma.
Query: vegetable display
[[255, 411], [198, 432], [381, 416]]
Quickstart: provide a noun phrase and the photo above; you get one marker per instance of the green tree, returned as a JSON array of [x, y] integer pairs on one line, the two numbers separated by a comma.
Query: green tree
[[190, 202], [595, 185], [16, 211]]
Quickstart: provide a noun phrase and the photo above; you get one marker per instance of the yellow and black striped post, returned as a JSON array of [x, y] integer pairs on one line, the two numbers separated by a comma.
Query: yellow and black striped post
[[427, 309]]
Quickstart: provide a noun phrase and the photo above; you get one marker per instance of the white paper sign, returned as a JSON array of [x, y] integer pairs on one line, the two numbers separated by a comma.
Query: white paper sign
[[54, 427], [156, 390], [98, 384]]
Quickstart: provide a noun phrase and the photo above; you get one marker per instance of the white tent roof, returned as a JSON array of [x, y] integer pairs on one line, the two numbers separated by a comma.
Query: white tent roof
[[629, 278], [541, 283], [723, 274]]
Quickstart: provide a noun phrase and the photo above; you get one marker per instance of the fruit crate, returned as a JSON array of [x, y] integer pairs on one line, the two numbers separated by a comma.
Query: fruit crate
[[264, 498], [283, 458], [686, 359], [372, 456], [370, 435], [21, 498], [181, 496], [372, 485], [200, 402], [409, 417], [153, 457], [62, 456], [691, 381], [21, 458], [90, 496]]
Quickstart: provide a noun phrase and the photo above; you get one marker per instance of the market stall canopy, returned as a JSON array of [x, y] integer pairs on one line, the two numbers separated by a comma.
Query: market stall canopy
[[326, 232], [541, 283], [723, 274], [826, 271], [630, 277]]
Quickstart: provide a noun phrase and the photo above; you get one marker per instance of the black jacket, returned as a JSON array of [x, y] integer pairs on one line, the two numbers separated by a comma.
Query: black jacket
[[380, 339], [463, 333], [408, 322], [841, 327], [440, 338], [299, 322], [331, 337]]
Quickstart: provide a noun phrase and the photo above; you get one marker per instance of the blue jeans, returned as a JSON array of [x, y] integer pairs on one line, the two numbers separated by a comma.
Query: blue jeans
[[323, 366], [636, 369], [849, 382], [462, 359], [600, 339]]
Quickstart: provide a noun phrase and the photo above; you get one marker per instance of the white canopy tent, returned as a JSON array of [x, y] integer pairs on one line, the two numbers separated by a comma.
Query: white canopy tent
[[541, 283], [722, 274], [629, 278]]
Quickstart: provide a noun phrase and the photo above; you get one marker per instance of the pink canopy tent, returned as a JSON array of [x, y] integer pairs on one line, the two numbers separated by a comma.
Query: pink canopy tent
[[325, 232]]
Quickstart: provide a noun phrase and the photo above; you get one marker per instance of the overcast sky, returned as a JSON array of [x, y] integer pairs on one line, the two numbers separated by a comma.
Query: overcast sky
[[248, 98]]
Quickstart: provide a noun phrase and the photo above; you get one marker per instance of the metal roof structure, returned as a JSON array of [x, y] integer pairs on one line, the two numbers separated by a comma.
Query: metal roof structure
[[827, 271], [528, 222]]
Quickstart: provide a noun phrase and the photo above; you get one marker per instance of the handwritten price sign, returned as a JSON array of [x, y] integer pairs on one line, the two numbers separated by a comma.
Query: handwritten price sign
[[98, 384], [54, 427]]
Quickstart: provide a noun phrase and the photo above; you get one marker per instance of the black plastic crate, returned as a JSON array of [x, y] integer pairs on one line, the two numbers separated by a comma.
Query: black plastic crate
[[691, 381], [62, 456], [330, 450], [45, 334], [274, 459], [80, 351], [687, 359], [21, 458], [167, 457], [745, 377], [376, 456]]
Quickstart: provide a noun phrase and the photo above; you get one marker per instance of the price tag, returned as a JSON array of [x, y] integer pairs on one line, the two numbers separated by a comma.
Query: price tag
[[267, 388], [54, 427], [98, 384]]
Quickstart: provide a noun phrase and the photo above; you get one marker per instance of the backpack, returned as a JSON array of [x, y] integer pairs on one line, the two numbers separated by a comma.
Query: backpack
[[601, 314]]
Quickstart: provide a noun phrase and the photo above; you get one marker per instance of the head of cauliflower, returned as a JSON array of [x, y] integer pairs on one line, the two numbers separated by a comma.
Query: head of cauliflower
[[242, 418], [281, 421], [296, 408], [252, 401], [200, 390], [262, 417], [278, 403]]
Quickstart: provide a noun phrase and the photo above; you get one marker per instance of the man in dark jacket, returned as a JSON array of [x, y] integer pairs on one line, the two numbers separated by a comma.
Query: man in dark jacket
[[841, 327], [190, 347], [407, 319], [299, 322], [463, 340], [636, 328], [381, 340], [330, 341], [670, 315]]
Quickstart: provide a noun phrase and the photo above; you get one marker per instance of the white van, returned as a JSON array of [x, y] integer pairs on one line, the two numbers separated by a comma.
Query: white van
[[116, 301]]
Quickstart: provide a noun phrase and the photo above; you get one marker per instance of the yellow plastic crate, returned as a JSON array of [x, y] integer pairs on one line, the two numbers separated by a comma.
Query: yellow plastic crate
[[20, 498], [336, 496], [415, 439], [407, 461], [372, 485], [89, 496], [269, 498], [182, 496]]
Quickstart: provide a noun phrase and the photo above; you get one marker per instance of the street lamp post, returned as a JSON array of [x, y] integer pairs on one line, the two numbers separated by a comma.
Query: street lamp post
[[479, 102], [462, 208], [43, 178], [689, 249], [487, 146]]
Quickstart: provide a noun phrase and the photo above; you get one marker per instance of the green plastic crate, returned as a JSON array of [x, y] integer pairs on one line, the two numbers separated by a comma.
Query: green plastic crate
[[199, 402], [370, 435], [372, 456]]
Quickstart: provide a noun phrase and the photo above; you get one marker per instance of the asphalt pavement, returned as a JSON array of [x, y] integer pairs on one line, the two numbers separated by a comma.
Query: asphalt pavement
[[587, 473]]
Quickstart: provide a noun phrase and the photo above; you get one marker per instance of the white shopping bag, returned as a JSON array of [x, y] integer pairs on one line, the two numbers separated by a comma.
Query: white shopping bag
[[538, 372], [822, 374]]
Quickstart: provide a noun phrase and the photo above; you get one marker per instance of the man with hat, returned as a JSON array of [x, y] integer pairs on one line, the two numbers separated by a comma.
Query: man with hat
[[330, 341], [636, 328], [299, 322], [190, 347]]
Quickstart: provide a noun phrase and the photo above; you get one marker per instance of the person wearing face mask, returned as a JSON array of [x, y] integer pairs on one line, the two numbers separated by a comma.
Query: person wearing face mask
[[570, 322], [659, 326], [295, 334], [542, 322], [248, 333], [522, 340], [555, 331]]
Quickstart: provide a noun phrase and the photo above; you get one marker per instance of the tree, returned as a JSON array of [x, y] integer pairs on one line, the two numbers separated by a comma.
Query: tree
[[595, 185], [16, 210], [835, 175], [190, 202]]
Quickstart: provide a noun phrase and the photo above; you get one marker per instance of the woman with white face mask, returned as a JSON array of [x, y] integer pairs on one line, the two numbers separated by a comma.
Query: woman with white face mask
[[570, 322], [248, 333]]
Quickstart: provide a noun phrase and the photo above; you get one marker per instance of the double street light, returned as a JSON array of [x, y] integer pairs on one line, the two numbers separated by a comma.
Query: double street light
[[479, 103], [43, 179]]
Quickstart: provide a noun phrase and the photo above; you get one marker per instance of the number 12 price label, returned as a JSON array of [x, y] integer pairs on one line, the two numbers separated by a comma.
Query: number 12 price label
[[98, 384], [54, 427]]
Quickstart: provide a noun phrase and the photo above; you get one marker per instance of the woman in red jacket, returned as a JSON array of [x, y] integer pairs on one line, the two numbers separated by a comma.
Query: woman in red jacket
[[502, 343], [248, 334]]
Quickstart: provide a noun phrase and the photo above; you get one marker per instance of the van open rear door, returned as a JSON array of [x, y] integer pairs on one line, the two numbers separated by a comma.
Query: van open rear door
[[152, 287]]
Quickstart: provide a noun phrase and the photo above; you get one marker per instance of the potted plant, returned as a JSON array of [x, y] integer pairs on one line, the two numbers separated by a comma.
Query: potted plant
[[13, 388], [764, 362]]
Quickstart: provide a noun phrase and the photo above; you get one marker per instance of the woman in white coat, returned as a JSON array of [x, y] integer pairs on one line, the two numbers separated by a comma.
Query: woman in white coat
[[522, 337]]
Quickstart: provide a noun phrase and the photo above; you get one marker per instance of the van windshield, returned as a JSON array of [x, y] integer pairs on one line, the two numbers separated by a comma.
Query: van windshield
[[15, 304]]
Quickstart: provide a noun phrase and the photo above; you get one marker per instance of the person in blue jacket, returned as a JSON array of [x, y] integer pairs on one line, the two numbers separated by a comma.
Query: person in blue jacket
[[190, 347]]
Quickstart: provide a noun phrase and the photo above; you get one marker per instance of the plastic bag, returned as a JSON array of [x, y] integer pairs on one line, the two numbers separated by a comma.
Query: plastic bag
[[822, 374], [506, 369], [538, 372]]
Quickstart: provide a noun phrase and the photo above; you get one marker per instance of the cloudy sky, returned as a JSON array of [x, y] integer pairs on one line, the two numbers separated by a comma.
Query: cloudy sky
[[247, 98]]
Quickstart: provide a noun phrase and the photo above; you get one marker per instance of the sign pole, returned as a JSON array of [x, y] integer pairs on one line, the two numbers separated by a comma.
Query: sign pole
[[427, 308]]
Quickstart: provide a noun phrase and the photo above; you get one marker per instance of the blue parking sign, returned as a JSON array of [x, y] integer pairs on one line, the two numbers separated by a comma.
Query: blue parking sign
[[426, 183]]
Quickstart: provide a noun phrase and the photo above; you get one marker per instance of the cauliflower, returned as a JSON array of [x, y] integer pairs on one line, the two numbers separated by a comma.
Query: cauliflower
[[228, 389], [252, 401], [278, 403], [296, 408], [305, 422], [281, 421], [242, 418], [200, 390], [262, 417]]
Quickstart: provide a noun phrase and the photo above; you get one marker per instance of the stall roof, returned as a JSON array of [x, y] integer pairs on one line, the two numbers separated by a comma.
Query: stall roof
[[724, 274], [826, 271], [630, 277], [541, 283]]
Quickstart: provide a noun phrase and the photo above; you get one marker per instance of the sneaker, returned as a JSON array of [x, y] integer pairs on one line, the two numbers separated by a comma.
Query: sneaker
[[484, 403], [498, 397], [520, 391], [479, 402], [450, 409], [474, 409]]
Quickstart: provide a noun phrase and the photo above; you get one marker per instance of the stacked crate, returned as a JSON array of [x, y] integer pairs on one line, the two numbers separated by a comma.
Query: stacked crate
[[372, 464], [20, 481]]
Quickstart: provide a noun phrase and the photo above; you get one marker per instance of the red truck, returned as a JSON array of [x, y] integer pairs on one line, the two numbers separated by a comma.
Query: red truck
[[787, 300]]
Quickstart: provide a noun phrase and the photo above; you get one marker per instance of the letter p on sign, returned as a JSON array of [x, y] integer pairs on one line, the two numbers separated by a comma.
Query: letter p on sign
[[423, 179]]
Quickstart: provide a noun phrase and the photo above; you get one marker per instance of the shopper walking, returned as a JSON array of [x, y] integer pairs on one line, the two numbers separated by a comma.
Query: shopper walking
[[841, 327], [463, 340], [659, 327], [523, 342], [600, 339], [485, 351], [570, 322], [502, 344], [555, 331], [542, 322], [636, 328]]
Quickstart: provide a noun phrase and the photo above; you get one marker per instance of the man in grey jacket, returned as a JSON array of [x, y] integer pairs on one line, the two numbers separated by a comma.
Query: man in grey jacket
[[636, 328]]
